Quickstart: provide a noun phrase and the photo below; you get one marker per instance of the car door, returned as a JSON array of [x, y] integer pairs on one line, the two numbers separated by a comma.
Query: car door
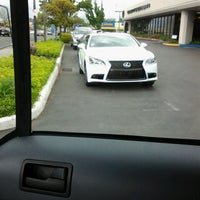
[[82, 51], [51, 165]]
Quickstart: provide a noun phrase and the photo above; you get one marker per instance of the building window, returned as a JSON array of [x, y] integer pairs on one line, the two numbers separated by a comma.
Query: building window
[[196, 31], [163, 25]]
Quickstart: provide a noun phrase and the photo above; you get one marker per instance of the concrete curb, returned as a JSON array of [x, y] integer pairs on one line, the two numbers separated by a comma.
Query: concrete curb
[[190, 45], [149, 39], [182, 45], [10, 121], [171, 44]]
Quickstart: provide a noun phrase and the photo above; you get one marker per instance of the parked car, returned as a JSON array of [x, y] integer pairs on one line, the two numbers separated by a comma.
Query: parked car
[[77, 34], [97, 31], [116, 58], [73, 164], [4, 32], [40, 33]]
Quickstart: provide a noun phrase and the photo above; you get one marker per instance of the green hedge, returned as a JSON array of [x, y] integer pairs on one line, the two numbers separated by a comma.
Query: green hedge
[[49, 48], [41, 68], [7, 94], [66, 37], [155, 36]]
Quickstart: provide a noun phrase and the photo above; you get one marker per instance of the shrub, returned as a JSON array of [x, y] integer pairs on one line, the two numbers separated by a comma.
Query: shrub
[[41, 69], [195, 42], [66, 37], [7, 93], [7, 97], [156, 36], [7, 106], [7, 87], [33, 49], [6, 67], [49, 48]]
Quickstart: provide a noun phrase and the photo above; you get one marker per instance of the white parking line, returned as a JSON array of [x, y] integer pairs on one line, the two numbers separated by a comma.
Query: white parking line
[[173, 107]]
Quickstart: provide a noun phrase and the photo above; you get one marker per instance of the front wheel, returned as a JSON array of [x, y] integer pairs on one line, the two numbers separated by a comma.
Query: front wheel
[[80, 70], [86, 79], [148, 84], [75, 48], [88, 84], [79, 65]]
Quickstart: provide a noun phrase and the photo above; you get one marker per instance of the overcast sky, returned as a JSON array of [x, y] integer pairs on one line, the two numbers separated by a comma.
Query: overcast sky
[[110, 6]]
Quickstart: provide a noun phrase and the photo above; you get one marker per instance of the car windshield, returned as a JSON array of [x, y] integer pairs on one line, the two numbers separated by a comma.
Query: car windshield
[[112, 41], [151, 88], [82, 31]]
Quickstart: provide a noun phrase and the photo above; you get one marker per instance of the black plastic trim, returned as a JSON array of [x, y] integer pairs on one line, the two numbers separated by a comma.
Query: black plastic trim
[[120, 137], [21, 52]]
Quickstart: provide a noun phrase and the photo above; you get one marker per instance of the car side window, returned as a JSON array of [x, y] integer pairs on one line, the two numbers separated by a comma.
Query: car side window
[[86, 40]]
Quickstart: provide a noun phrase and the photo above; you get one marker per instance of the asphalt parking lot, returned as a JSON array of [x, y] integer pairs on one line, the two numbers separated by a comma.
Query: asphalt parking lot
[[169, 109]]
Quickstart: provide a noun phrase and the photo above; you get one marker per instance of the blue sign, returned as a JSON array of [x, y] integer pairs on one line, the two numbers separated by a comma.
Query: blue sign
[[52, 28]]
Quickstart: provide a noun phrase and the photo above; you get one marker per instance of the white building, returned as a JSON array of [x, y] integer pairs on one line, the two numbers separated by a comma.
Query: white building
[[179, 18]]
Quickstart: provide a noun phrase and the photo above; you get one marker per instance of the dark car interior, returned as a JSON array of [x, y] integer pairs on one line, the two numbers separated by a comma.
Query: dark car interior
[[64, 165]]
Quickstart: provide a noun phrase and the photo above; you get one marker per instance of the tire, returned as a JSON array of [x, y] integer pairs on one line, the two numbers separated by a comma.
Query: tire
[[86, 79], [88, 84], [80, 70], [148, 84]]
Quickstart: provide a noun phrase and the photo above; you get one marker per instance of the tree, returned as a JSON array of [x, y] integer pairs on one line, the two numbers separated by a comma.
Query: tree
[[77, 20], [58, 12], [4, 17], [94, 13]]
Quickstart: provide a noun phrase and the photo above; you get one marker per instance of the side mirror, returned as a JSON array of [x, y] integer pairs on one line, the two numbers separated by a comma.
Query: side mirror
[[81, 46], [143, 45]]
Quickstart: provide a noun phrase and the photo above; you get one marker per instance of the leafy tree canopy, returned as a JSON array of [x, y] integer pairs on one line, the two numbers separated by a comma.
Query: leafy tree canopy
[[58, 12], [94, 13], [3, 16]]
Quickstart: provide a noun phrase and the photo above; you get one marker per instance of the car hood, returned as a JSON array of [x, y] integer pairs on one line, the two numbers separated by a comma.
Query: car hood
[[120, 53], [78, 36]]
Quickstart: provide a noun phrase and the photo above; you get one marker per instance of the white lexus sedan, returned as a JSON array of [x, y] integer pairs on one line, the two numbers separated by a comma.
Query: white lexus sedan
[[116, 58]]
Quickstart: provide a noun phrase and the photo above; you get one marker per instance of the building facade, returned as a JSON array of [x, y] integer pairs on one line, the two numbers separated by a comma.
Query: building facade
[[178, 19]]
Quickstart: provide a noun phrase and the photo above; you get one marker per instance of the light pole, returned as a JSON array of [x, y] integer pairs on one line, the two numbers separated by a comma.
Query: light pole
[[118, 11], [34, 21]]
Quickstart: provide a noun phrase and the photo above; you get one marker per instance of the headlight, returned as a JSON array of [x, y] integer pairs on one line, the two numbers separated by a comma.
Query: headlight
[[150, 61], [74, 39], [96, 61]]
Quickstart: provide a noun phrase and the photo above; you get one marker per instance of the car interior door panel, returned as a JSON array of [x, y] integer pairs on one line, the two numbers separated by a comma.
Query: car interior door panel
[[63, 165], [51, 166]]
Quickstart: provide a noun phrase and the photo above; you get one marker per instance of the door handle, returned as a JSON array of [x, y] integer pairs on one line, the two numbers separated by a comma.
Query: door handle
[[46, 177], [49, 184]]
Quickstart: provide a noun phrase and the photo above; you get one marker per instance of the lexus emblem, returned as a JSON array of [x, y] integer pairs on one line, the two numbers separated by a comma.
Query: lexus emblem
[[126, 64]]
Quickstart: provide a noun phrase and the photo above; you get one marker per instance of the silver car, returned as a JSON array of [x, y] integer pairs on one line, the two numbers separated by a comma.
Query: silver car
[[77, 34]]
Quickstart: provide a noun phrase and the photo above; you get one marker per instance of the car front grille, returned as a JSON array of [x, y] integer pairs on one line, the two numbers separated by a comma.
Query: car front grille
[[119, 72]]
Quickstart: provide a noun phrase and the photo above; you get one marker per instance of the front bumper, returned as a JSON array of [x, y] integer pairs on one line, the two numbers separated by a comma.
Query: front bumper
[[114, 72]]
